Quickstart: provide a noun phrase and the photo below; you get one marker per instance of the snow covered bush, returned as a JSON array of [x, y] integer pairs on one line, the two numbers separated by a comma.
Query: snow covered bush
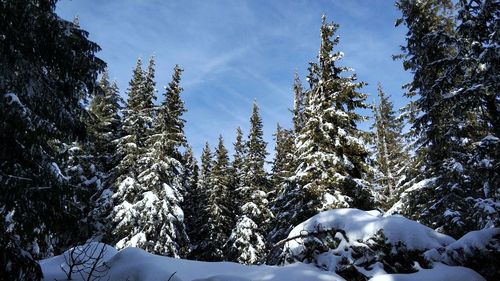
[[358, 245], [479, 250]]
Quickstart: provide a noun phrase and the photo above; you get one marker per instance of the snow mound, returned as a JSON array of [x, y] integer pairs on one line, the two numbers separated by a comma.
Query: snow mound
[[359, 245], [134, 264], [361, 226], [82, 257], [478, 250], [440, 272]]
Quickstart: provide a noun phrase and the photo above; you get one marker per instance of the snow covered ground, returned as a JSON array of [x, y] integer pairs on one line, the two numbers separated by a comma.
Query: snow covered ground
[[359, 228], [134, 264]]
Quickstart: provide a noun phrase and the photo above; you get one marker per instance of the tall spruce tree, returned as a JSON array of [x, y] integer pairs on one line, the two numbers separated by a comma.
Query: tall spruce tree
[[128, 192], [237, 174], [331, 153], [191, 194], [160, 220], [198, 235], [104, 130], [283, 163], [174, 124], [284, 166], [131, 144], [457, 113], [299, 103], [443, 134], [218, 224], [41, 98], [282, 170], [106, 121], [247, 241], [477, 107], [390, 154]]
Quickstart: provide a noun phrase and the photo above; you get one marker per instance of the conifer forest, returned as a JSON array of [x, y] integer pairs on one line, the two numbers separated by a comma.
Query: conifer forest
[[101, 183]]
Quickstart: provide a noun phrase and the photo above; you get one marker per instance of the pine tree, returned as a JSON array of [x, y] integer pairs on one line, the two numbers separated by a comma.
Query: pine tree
[[157, 219], [192, 195], [198, 236], [247, 243], [283, 162], [477, 101], [284, 166], [136, 116], [106, 122], [104, 130], [331, 153], [174, 124], [217, 206], [443, 134], [390, 153], [128, 192], [299, 103], [41, 98], [238, 158], [282, 169]]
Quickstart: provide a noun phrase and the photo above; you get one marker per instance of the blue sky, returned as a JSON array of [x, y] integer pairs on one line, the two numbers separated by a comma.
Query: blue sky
[[236, 51]]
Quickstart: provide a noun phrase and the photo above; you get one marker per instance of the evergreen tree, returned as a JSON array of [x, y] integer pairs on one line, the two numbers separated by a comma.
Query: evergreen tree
[[246, 243], [330, 150], [477, 108], [299, 103], [174, 124], [390, 155], [136, 116], [445, 121], [104, 130], [156, 216], [128, 192], [238, 158], [192, 195], [283, 162], [41, 97], [218, 224], [197, 234], [106, 122], [282, 169]]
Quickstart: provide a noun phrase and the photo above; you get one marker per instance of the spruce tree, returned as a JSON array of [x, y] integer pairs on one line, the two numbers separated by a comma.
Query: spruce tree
[[192, 195], [282, 169], [247, 241], [477, 101], [105, 131], [331, 153], [157, 219], [237, 165], [41, 105], [390, 154], [218, 224], [105, 121], [128, 192], [284, 166], [445, 130], [198, 236], [135, 129], [283, 162], [299, 103], [174, 124]]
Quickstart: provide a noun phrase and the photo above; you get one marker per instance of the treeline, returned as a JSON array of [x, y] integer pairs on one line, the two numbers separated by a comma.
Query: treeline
[[78, 162]]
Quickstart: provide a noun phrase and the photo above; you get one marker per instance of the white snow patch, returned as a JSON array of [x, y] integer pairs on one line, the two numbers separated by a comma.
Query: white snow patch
[[134, 264], [440, 272]]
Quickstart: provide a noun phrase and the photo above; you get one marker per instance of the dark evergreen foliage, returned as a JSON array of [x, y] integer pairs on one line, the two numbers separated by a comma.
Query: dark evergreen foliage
[[47, 68]]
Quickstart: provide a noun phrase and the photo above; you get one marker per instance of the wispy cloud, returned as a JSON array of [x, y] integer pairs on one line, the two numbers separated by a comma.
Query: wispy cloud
[[235, 51]]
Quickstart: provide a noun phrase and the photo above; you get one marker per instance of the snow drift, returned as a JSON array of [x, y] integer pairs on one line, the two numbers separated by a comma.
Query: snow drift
[[359, 245]]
